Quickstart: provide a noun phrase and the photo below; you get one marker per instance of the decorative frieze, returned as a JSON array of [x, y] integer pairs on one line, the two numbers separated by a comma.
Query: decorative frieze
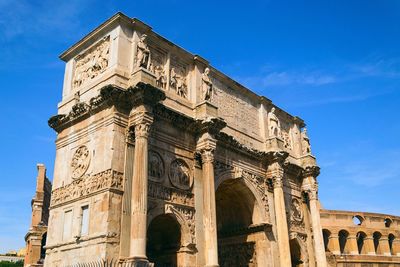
[[158, 191], [87, 185], [91, 63]]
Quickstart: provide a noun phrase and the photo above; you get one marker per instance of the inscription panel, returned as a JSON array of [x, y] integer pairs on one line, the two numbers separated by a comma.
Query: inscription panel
[[236, 110]]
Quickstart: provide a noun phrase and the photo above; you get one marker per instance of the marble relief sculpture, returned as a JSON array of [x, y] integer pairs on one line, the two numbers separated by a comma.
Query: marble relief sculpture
[[161, 78], [274, 124], [143, 53], [178, 82], [206, 85], [91, 63]]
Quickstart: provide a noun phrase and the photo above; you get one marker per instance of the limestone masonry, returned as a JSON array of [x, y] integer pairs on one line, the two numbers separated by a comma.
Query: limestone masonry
[[162, 160]]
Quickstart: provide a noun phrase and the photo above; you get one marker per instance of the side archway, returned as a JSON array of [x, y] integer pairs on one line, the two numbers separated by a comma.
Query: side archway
[[241, 222]]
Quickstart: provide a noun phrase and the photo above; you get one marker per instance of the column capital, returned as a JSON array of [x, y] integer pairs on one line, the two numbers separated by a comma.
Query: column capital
[[209, 125], [311, 171], [275, 168], [141, 123], [311, 190]]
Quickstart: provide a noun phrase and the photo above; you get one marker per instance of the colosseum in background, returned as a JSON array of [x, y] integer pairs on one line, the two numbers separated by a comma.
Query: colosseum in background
[[162, 160]]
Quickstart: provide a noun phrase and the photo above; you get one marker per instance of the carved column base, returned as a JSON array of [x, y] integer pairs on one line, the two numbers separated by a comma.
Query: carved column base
[[136, 262]]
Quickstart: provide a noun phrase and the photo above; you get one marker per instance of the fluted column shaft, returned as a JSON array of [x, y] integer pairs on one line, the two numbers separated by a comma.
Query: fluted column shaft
[[139, 190], [209, 210], [281, 223], [311, 188]]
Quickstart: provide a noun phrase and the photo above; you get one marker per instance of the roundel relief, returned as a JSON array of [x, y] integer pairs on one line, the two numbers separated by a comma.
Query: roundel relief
[[156, 167], [179, 174], [80, 162]]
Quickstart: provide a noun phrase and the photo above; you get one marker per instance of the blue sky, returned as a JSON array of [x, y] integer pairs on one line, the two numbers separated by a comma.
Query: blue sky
[[336, 64]]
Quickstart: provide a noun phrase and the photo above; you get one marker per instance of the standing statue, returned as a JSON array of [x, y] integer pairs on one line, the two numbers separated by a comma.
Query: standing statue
[[181, 87], [274, 124], [143, 53], [206, 85], [305, 142]]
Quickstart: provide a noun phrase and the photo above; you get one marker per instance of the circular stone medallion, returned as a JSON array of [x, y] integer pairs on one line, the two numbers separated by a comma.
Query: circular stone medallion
[[179, 174], [80, 162], [156, 166]]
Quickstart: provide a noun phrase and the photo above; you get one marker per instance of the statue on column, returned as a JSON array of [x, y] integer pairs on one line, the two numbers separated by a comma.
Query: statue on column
[[206, 85], [143, 53], [305, 142], [274, 124]]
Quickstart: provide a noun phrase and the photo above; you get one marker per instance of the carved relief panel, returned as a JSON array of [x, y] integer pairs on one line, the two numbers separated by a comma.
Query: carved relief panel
[[296, 218], [178, 77], [156, 167], [92, 62], [80, 162], [180, 174]]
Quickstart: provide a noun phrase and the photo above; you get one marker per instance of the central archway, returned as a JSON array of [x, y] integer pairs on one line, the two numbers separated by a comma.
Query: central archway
[[163, 241], [239, 224]]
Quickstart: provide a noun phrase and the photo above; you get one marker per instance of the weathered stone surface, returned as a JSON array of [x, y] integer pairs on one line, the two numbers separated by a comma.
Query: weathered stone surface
[[162, 159]]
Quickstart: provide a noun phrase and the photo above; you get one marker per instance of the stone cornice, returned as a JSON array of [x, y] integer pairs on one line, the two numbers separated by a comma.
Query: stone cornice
[[230, 142], [110, 95]]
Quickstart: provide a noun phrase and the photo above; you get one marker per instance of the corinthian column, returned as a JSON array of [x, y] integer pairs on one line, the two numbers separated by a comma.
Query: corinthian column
[[310, 187], [141, 123], [206, 149], [275, 172]]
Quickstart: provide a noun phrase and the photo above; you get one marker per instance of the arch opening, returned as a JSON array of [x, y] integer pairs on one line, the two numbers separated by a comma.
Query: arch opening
[[390, 240], [360, 242], [343, 235], [358, 220], [163, 241], [295, 253], [238, 217], [377, 236], [326, 235]]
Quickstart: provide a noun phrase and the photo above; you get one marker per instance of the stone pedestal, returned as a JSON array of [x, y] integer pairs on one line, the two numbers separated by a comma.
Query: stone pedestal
[[274, 144], [206, 109], [142, 75]]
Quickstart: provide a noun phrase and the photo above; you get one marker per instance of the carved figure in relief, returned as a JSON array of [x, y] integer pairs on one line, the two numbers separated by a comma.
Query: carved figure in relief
[[143, 53], [274, 124], [80, 162], [296, 215], [161, 79], [156, 166], [181, 87], [179, 174], [206, 85], [173, 78], [305, 142], [93, 62]]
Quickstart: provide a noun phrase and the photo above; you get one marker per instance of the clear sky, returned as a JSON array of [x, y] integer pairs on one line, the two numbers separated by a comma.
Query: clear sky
[[336, 64]]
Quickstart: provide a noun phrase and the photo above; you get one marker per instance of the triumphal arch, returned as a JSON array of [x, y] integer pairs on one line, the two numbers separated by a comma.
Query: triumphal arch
[[162, 160]]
